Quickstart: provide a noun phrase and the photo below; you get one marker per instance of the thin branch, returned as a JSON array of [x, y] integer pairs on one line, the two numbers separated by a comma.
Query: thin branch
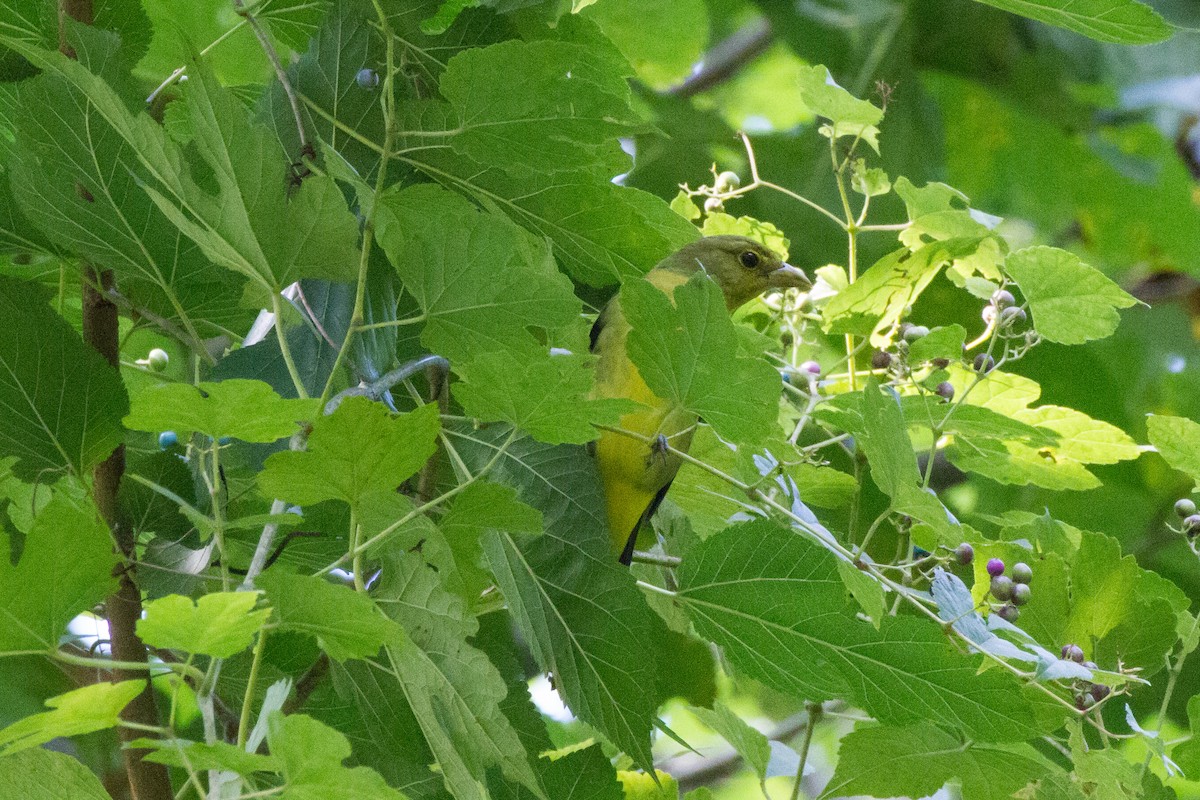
[[280, 73], [727, 58]]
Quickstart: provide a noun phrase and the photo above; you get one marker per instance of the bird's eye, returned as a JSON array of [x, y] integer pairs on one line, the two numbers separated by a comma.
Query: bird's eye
[[749, 259]]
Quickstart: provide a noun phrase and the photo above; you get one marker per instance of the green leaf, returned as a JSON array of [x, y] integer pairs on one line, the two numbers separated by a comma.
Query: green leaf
[[662, 43], [345, 623], [942, 342], [40, 774], [579, 775], [45, 590], [218, 624], [718, 224], [243, 409], [481, 281], [200, 756], [849, 115], [359, 449], [90, 708], [62, 402], [1071, 303], [687, 353], [1187, 754], [874, 303], [252, 224], [893, 462], [546, 396], [917, 760], [480, 507], [310, 756], [774, 601], [542, 106], [1081, 438], [78, 179], [1178, 442], [866, 591], [1120, 612], [1115, 21], [749, 743], [577, 609], [454, 690]]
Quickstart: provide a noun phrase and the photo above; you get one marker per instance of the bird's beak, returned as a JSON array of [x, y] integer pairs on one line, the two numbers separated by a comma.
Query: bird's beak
[[788, 277]]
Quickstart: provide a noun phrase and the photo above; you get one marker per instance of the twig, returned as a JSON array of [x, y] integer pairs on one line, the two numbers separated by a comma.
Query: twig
[[727, 58], [269, 49]]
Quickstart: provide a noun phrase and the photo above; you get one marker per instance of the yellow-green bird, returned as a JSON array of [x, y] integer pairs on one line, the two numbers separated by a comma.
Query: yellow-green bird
[[636, 473]]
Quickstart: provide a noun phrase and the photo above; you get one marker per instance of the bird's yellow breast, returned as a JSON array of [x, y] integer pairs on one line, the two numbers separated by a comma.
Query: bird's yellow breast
[[632, 470]]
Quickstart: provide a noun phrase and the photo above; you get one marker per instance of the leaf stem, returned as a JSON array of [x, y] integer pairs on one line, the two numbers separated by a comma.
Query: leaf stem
[[284, 348], [388, 102], [815, 711], [251, 681], [109, 664]]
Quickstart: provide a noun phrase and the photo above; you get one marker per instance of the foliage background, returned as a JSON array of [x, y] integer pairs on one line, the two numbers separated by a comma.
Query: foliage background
[[1087, 145]]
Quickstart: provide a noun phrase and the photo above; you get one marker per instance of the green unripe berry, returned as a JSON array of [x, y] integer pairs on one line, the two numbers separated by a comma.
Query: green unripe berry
[[157, 360], [1184, 507], [1002, 587], [1008, 612], [1021, 594], [964, 553], [1022, 572], [727, 180], [713, 204], [915, 332]]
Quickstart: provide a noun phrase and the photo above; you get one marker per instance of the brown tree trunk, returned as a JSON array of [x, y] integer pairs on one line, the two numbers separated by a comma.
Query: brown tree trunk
[[147, 780]]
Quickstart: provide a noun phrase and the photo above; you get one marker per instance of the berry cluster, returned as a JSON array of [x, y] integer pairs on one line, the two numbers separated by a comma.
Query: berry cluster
[[1011, 591], [909, 333], [1087, 694], [1186, 510]]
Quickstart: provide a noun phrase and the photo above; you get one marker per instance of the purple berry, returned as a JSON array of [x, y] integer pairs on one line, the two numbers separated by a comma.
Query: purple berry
[[945, 390], [1191, 525], [881, 359], [1022, 572], [1020, 593], [1084, 701], [367, 78], [1184, 507], [1008, 612], [1002, 587], [1003, 299], [1012, 316], [964, 553], [940, 363], [1100, 691], [984, 363], [995, 567], [1072, 652], [811, 367]]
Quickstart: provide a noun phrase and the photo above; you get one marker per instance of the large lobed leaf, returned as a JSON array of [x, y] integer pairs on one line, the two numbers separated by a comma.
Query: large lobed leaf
[[687, 353], [62, 402], [774, 601], [45, 590], [579, 611]]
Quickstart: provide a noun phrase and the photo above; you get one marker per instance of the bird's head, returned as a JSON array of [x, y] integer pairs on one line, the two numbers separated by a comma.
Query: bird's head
[[742, 267]]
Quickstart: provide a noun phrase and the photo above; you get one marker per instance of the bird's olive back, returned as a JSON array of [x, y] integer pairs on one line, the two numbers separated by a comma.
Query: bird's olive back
[[740, 266]]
